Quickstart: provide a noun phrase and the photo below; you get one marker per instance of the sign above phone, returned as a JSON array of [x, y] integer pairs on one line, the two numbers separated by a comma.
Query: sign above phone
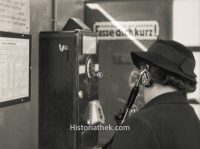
[[119, 30]]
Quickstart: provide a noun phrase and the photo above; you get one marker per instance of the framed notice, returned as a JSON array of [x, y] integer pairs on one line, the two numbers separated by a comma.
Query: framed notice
[[14, 68]]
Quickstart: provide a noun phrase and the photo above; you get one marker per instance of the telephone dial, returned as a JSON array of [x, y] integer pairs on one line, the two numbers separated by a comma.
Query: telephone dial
[[91, 69]]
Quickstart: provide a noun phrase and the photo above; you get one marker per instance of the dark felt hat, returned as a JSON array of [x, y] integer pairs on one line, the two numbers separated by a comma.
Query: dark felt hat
[[170, 56]]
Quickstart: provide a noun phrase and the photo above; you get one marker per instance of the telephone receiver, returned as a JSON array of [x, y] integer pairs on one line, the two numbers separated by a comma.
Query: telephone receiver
[[144, 79]]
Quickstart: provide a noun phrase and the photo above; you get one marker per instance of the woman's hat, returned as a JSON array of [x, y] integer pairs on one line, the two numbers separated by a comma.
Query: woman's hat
[[170, 56]]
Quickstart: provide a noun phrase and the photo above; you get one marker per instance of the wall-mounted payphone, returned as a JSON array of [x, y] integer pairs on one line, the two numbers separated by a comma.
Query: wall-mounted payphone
[[68, 89]]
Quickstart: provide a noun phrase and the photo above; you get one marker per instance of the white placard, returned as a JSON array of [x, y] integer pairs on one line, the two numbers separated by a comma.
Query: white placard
[[14, 68], [89, 45], [140, 30], [82, 69], [15, 16]]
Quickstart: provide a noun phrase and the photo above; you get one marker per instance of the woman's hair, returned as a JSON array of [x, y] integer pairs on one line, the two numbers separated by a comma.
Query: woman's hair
[[168, 78], [164, 77]]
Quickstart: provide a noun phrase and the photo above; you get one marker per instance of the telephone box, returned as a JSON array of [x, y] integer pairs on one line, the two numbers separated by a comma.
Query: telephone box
[[68, 87]]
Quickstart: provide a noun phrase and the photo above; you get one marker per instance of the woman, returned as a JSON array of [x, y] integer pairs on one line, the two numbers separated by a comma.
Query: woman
[[166, 121]]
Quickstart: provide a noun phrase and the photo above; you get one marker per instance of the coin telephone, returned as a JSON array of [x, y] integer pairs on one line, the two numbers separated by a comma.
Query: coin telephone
[[68, 88]]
